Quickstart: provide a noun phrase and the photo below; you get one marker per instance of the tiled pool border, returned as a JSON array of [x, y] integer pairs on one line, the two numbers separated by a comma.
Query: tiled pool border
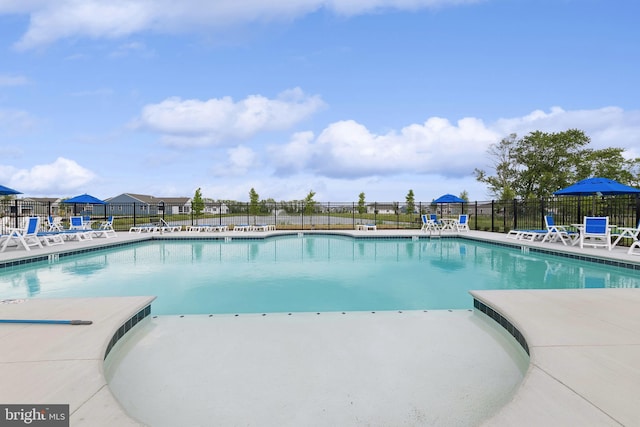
[[580, 257], [126, 327], [502, 321]]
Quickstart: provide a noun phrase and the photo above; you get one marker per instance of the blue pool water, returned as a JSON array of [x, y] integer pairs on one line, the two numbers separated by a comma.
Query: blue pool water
[[305, 274]]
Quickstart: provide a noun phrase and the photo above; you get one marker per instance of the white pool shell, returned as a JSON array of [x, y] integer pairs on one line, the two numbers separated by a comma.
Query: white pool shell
[[584, 344]]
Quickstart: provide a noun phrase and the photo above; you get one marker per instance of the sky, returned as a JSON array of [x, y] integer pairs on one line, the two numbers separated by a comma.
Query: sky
[[337, 97]]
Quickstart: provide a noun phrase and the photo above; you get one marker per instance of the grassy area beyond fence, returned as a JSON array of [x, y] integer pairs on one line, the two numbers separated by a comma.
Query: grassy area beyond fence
[[496, 216]]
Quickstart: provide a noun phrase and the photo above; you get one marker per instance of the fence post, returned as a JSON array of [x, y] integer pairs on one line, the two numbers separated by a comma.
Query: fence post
[[493, 214], [15, 210], [375, 212], [353, 215], [476, 214], [515, 214]]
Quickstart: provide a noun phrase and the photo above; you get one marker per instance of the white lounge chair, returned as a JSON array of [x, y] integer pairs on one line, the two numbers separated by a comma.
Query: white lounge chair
[[147, 228], [366, 227], [54, 223], [531, 235], [51, 238], [166, 227], [595, 232], [27, 236], [557, 232], [242, 227], [78, 223], [429, 223], [620, 233], [463, 223], [105, 229]]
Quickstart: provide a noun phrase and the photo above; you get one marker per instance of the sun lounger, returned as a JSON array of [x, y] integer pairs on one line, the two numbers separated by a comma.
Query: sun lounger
[[242, 227], [557, 232], [166, 227], [105, 229], [263, 227], [366, 227], [531, 235], [620, 233], [148, 228], [27, 236], [51, 238]]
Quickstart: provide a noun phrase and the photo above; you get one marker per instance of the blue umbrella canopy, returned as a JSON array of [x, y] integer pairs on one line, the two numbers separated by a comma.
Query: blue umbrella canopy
[[86, 199], [6, 191], [599, 186], [449, 198]]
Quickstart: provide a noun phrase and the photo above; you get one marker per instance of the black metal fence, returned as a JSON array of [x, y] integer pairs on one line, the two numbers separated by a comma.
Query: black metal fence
[[496, 216]]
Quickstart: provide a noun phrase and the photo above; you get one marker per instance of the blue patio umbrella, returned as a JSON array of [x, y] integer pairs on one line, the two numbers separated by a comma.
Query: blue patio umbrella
[[6, 191], [85, 199], [597, 186], [449, 198]]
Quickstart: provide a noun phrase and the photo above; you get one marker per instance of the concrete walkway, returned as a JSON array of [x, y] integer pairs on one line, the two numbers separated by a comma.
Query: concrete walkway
[[58, 363], [584, 347], [584, 356]]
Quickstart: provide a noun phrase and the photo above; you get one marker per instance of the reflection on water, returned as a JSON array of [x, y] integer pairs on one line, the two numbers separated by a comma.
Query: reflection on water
[[306, 273]]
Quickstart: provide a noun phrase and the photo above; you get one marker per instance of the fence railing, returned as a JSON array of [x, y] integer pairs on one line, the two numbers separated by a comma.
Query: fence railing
[[496, 216]]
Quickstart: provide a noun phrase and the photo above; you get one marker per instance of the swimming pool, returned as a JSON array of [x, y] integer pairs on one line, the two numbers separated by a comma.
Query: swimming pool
[[304, 273]]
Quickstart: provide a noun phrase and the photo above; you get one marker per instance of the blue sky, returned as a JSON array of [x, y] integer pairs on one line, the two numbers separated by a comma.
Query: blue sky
[[339, 97]]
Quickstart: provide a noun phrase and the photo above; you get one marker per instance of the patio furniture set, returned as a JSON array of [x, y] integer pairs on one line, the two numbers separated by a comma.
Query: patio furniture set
[[594, 232], [35, 234]]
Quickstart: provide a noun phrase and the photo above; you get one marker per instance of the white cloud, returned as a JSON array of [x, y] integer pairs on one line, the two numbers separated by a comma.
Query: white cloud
[[59, 177], [15, 120], [240, 160], [8, 80], [196, 123], [607, 127], [348, 149], [294, 156], [54, 20]]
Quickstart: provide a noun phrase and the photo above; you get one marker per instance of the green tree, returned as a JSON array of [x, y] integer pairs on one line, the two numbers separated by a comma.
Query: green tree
[[362, 207], [254, 203], [633, 166], [548, 161], [464, 195], [540, 163], [608, 163], [197, 204], [411, 202], [500, 185], [309, 203]]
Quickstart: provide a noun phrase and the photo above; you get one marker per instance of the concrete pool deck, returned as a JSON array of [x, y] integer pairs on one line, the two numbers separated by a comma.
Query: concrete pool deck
[[584, 345]]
